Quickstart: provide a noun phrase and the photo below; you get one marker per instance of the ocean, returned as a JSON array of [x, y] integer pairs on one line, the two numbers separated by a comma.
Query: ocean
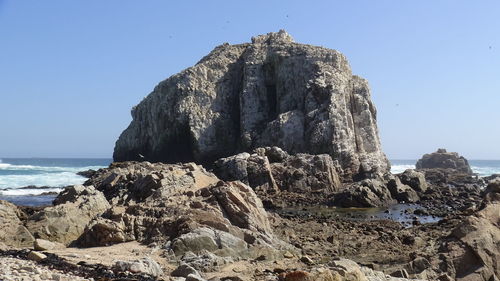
[[36, 181]]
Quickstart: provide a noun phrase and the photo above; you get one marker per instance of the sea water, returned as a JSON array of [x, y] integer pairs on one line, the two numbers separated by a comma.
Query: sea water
[[482, 168], [24, 180]]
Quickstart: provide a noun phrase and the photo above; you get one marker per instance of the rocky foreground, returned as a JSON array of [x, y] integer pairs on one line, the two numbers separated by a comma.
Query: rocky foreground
[[145, 221]]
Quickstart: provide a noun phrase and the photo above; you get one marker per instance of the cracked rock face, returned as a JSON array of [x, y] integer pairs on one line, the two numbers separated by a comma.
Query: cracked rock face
[[181, 205], [271, 92]]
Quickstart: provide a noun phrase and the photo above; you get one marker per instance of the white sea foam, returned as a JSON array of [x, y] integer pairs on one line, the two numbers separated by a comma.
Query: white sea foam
[[396, 169], [23, 191], [485, 171], [10, 167], [49, 179]]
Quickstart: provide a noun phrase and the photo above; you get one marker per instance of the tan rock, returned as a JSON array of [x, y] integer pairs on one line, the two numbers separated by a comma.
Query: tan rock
[[182, 205], [12, 231], [43, 245], [36, 256], [65, 222]]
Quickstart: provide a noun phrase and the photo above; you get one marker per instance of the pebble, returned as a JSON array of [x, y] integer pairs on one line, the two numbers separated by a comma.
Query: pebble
[[13, 269]]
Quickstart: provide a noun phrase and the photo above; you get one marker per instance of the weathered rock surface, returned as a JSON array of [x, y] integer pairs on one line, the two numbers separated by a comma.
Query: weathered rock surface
[[12, 231], [145, 265], [377, 192], [43, 245], [444, 160], [74, 208], [366, 193], [414, 179], [271, 169], [339, 270], [271, 92], [477, 255], [183, 206]]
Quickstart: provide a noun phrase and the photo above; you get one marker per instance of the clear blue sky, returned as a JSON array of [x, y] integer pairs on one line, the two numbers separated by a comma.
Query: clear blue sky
[[71, 70]]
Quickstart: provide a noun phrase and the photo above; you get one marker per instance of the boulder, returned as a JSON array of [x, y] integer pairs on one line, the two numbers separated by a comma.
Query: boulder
[[401, 192], [204, 261], [442, 159], [365, 194], [44, 245], [305, 173], [36, 256], [270, 92], [144, 266], [13, 233], [271, 169], [64, 222], [253, 170], [414, 179], [183, 270]]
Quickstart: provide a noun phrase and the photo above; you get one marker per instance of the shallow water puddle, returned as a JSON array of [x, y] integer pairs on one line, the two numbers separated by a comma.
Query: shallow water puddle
[[405, 214]]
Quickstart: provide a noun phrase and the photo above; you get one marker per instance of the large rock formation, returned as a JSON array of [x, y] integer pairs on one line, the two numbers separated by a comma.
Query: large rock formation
[[272, 91], [181, 206]]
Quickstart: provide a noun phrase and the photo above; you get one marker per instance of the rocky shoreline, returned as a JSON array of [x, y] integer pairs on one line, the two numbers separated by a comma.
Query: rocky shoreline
[[261, 162], [172, 211]]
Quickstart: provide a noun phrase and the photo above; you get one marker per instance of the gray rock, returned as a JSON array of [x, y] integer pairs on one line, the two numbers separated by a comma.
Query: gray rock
[[366, 193], [145, 265], [414, 179], [253, 170], [305, 173], [295, 173], [401, 192], [184, 270], [444, 160], [271, 92], [205, 261]]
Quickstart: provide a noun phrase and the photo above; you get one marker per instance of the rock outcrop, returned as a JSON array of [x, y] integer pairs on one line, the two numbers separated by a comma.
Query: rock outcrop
[[441, 159], [181, 206], [270, 169], [73, 209], [381, 191], [476, 254], [12, 231], [271, 92]]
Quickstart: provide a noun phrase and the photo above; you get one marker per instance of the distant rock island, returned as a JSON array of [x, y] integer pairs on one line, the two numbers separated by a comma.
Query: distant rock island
[[441, 159], [270, 92]]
